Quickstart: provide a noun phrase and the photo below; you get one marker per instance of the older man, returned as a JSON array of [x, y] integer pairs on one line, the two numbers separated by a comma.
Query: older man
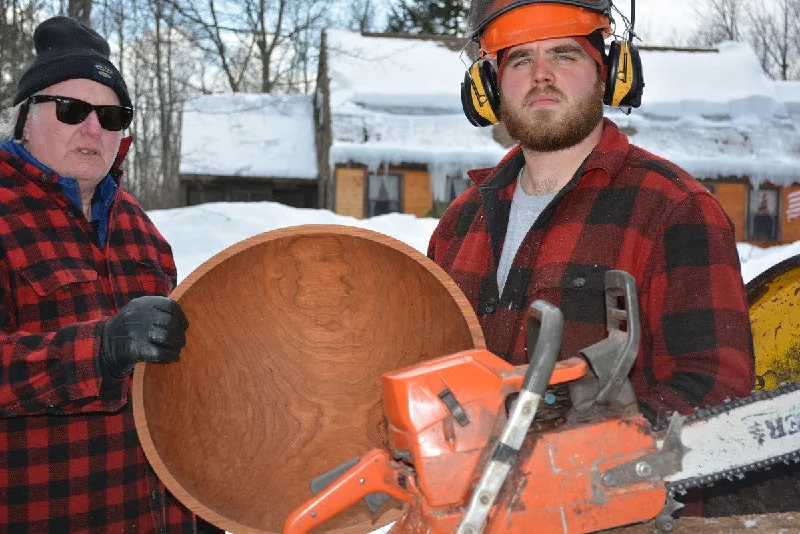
[[574, 199], [83, 276]]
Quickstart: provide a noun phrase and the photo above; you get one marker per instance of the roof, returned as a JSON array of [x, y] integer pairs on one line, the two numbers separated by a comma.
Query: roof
[[713, 112], [249, 135], [395, 100]]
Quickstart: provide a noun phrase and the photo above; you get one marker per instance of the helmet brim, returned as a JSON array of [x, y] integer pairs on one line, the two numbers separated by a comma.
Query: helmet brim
[[539, 21]]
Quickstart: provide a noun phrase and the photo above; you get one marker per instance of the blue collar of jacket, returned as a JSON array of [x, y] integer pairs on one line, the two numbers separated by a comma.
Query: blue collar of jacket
[[104, 195]]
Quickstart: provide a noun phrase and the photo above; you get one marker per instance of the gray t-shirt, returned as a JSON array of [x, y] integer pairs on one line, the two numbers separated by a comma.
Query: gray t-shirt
[[525, 209]]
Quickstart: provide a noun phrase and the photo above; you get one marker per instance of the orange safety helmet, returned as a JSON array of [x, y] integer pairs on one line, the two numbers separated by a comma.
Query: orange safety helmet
[[499, 24]]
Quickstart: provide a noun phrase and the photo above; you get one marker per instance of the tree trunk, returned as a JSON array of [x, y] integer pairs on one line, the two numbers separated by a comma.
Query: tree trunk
[[81, 10]]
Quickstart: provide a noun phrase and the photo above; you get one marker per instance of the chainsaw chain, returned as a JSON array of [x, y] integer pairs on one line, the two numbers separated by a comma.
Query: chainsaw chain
[[701, 414]]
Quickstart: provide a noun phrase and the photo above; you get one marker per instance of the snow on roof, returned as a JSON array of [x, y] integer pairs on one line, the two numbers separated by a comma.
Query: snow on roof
[[249, 135], [789, 93], [387, 72], [715, 113], [396, 100]]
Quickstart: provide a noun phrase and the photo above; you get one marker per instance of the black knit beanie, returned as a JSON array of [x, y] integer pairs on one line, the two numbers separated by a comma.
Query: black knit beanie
[[66, 50]]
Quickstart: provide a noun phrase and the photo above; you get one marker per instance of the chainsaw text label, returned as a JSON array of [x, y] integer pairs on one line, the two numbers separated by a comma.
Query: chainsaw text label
[[775, 428]]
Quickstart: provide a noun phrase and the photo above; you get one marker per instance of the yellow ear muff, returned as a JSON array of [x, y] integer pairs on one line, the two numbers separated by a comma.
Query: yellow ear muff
[[480, 98], [480, 94], [623, 75], [625, 84]]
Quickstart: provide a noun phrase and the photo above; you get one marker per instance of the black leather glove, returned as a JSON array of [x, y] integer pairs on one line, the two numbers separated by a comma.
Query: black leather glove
[[147, 329]]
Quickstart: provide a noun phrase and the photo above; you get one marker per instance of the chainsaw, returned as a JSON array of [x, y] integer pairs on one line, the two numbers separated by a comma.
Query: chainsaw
[[469, 450]]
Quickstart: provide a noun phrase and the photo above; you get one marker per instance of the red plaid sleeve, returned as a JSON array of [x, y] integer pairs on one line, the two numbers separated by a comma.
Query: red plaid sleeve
[[54, 372], [697, 346], [49, 371]]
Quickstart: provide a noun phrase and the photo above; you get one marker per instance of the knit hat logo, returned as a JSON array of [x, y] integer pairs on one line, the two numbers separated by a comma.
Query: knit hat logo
[[103, 71]]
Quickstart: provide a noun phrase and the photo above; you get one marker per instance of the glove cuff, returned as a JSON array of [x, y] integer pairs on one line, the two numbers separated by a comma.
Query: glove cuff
[[109, 367]]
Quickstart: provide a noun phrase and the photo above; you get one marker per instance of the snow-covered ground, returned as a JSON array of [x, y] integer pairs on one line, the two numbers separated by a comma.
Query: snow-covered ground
[[197, 233]]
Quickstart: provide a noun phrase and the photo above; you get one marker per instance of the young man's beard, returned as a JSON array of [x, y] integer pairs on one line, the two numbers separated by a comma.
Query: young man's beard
[[537, 130]]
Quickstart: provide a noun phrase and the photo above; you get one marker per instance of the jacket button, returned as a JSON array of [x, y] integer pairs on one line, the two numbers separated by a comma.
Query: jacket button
[[579, 282], [489, 307], [43, 177]]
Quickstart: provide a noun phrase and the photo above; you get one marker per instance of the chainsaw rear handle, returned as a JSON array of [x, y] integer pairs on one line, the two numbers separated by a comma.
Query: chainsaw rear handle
[[545, 330], [373, 473], [612, 358]]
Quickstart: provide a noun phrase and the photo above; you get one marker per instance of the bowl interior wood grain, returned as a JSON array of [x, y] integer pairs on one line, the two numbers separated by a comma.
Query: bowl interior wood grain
[[279, 381]]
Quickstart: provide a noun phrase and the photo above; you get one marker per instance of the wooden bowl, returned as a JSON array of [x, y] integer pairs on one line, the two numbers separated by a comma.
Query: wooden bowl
[[279, 381]]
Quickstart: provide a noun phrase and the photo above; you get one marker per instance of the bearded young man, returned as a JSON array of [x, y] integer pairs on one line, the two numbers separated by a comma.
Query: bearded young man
[[575, 199]]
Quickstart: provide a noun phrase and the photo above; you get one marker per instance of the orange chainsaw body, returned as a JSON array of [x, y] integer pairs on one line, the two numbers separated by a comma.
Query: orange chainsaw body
[[437, 452], [556, 488]]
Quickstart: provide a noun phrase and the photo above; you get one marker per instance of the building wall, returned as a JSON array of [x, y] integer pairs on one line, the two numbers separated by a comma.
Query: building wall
[[417, 199], [733, 198], [350, 192], [417, 194], [198, 189]]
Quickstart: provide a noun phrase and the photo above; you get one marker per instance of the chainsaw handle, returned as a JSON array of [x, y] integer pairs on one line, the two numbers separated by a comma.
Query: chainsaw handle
[[545, 333], [373, 473]]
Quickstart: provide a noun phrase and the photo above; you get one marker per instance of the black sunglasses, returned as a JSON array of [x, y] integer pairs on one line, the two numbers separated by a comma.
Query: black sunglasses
[[73, 111]]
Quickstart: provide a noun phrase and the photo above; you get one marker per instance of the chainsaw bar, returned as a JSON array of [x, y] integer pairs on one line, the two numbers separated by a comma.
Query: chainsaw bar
[[740, 436]]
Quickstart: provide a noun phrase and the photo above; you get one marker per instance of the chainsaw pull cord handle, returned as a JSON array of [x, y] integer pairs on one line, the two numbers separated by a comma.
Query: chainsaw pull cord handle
[[545, 331], [373, 473]]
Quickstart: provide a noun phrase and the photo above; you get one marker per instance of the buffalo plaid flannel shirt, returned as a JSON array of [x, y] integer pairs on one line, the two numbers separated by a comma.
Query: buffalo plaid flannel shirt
[[71, 458], [624, 209]]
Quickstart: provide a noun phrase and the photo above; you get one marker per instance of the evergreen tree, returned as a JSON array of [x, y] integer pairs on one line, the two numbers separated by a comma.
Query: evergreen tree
[[444, 17]]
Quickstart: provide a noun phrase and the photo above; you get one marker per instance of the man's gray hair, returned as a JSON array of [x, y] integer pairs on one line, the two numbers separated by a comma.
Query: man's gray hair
[[8, 119]]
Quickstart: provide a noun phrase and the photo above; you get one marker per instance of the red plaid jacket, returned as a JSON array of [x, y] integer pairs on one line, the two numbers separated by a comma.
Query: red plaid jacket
[[624, 209], [70, 457]]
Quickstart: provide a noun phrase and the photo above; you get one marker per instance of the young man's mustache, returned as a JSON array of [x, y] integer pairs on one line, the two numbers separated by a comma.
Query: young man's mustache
[[547, 90]]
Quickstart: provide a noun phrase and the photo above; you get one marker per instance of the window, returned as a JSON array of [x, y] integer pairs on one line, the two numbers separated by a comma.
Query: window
[[712, 188], [383, 194], [455, 185], [762, 219]]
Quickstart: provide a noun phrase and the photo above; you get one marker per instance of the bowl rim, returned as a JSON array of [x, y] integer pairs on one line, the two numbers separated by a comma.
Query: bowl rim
[[311, 230]]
